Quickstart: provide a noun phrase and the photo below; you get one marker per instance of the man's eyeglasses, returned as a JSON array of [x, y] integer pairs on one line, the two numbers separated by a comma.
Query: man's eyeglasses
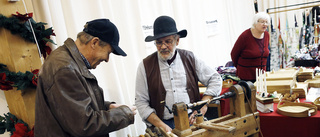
[[264, 22], [167, 43]]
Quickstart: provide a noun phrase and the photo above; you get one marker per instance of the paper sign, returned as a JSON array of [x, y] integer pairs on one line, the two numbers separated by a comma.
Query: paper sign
[[148, 31], [212, 27]]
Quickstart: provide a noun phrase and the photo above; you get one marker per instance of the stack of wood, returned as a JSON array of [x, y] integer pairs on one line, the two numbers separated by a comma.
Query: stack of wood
[[281, 86], [281, 81], [313, 83], [304, 74], [282, 74], [300, 88]]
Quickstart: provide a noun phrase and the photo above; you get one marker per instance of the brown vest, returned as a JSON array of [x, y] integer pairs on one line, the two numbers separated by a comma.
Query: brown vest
[[156, 90]]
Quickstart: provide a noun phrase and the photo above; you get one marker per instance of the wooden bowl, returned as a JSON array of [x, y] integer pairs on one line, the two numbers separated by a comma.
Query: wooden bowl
[[297, 109], [317, 102]]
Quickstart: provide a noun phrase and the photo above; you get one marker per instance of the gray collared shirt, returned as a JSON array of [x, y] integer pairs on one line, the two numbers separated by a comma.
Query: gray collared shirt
[[174, 81]]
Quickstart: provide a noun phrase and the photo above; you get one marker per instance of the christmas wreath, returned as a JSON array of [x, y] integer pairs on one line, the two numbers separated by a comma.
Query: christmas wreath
[[9, 79], [19, 24], [17, 127]]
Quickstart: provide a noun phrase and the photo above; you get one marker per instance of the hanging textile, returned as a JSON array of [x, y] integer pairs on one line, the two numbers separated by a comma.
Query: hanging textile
[[281, 47], [274, 52]]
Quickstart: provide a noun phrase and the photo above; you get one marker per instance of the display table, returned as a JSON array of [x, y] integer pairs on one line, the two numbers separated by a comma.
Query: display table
[[276, 125]]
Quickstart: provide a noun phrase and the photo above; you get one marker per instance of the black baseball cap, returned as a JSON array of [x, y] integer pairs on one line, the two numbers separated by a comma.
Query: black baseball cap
[[107, 32]]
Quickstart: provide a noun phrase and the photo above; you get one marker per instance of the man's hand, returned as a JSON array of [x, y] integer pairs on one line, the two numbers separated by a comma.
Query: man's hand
[[114, 106], [166, 128], [204, 109], [192, 118], [157, 122], [133, 108]]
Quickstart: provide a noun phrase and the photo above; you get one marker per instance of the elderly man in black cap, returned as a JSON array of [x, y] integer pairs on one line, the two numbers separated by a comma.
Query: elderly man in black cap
[[170, 76], [69, 101]]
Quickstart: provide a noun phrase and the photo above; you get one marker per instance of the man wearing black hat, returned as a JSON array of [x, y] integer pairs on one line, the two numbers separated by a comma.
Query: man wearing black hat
[[69, 101], [170, 76]]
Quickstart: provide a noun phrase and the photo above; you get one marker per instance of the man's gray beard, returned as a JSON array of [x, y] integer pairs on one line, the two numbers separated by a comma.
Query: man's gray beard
[[170, 57]]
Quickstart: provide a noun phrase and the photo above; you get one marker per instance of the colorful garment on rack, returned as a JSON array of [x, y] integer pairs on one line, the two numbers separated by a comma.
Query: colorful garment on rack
[[274, 52]]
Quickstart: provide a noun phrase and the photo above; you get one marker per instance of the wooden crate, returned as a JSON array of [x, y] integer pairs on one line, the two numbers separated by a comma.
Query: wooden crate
[[313, 83], [301, 88], [281, 86], [305, 74], [283, 74]]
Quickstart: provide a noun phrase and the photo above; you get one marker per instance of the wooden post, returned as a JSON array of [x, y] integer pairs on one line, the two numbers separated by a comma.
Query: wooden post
[[237, 105], [181, 122], [19, 55]]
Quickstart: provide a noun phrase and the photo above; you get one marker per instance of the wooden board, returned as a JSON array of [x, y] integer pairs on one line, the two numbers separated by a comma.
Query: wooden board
[[305, 72], [19, 55], [264, 100], [301, 88], [303, 78], [281, 86], [313, 83], [283, 74], [317, 75]]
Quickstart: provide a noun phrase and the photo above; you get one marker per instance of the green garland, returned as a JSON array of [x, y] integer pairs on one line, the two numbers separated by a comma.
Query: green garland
[[16, 127], [18, 24], [20, 80], [7, 122]]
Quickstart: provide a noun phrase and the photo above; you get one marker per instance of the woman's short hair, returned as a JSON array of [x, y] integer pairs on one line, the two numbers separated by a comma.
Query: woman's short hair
[[260, 15]]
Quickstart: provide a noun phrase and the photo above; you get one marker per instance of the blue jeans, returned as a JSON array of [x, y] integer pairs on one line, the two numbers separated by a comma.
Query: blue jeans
[[170, 122]]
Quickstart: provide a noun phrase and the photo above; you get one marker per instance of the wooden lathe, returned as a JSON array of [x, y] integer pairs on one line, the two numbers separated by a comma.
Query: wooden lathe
[[243, 119]]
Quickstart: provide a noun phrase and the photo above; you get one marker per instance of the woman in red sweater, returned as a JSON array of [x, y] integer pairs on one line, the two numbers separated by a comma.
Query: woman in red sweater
[[251, 48]]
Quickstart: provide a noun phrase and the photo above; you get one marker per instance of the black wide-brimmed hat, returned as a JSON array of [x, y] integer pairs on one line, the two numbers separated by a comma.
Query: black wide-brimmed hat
[[165, 26]]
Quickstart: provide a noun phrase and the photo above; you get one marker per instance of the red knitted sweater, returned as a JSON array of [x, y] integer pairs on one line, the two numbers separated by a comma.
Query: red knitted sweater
[[246, 55]]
